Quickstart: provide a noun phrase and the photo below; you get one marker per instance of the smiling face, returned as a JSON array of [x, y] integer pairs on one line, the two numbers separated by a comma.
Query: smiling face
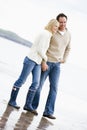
[[62, 23], [52, 26], [55, 28]]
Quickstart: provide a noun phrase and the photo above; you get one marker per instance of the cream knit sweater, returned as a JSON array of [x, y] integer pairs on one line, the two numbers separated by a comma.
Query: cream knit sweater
[[38, 50]]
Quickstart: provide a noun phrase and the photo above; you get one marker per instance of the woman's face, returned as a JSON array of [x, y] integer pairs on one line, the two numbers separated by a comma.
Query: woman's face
[[55, 28]]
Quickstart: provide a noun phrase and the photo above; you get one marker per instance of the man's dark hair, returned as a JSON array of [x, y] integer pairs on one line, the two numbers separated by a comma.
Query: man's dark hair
[[61, 15]]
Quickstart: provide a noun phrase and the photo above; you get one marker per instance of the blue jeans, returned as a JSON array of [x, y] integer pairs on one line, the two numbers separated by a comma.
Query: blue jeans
[[29, 66], [53, 72]]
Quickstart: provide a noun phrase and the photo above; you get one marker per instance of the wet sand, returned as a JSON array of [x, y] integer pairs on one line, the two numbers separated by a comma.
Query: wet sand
[[70, 112], [11, 118]]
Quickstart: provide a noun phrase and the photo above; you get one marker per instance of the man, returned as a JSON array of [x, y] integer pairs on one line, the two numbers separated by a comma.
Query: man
[[57, 53]]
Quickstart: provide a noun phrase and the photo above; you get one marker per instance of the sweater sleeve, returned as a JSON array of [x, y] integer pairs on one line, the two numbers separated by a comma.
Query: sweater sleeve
[[43, 44], [67, 50]]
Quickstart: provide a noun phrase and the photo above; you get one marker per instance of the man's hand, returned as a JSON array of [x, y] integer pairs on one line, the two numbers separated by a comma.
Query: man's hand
[[62, 61], [44, 66]]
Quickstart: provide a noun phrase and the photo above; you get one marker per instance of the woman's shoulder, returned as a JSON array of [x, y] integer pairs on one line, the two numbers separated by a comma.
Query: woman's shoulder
[[46, 32]]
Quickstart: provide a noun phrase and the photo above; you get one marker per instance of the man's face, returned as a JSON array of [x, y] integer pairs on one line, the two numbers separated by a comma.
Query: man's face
[[62, 23]]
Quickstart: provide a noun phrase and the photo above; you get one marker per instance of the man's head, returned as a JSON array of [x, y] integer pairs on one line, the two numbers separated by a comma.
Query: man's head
[[62, 19]]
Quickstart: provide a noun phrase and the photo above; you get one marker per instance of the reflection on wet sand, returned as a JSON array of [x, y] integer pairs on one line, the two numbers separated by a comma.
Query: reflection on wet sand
[[44, 124], [5, 116], [24, 121]]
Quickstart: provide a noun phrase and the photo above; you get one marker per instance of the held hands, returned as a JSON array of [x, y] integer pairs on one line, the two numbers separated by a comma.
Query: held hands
[[44, 66]]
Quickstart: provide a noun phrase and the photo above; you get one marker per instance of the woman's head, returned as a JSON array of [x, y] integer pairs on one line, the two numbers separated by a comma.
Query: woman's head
[[52, 26]]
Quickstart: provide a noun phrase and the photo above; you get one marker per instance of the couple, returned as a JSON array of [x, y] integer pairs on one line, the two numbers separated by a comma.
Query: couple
[[51, 48]]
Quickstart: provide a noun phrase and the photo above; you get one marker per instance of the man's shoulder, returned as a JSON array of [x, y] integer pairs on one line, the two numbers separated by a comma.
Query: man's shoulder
[[68, 31]]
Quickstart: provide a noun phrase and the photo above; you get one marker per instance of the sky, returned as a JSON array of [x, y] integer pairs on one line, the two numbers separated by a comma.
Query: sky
[[28, 17]]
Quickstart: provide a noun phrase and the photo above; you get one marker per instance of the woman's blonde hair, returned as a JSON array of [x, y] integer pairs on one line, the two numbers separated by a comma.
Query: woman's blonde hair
[[50, 24]]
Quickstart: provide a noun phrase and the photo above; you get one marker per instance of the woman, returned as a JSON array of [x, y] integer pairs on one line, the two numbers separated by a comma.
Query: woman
[[32, 63]]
